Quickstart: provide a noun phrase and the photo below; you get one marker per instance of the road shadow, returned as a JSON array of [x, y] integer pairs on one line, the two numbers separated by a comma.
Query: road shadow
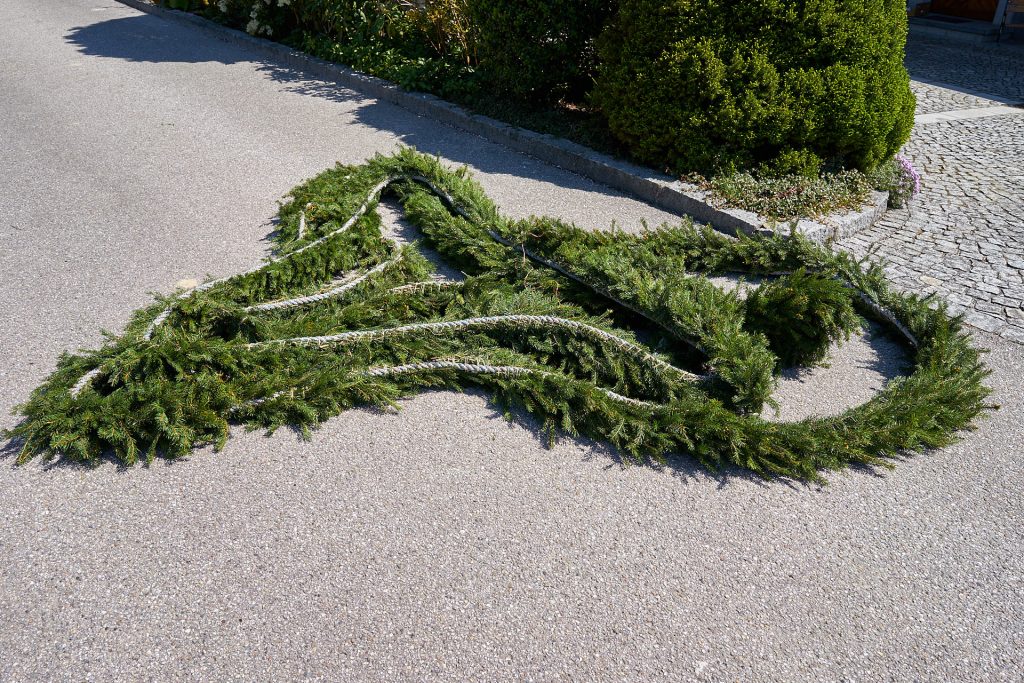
[[990, 70], [147, 38], [682, 467]]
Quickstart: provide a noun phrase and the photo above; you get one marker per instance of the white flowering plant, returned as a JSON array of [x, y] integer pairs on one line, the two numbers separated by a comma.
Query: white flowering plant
[[268, 18]]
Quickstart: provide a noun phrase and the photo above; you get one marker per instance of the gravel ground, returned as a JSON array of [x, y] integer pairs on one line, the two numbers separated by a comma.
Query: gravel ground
[[442, 542]]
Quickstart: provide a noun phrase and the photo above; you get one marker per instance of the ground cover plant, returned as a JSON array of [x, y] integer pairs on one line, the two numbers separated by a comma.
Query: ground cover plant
[[794, 196], [544, 320]]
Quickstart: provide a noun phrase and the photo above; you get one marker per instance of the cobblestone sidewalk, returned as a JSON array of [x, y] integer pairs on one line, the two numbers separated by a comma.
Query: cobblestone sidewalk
[[963, 238]]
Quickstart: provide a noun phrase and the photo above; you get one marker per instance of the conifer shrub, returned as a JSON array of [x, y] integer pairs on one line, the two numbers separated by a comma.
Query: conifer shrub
[[539, 50], [780, 86]]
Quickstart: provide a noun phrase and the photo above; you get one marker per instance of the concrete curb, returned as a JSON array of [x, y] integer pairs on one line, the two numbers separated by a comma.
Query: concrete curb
[[659, 190]]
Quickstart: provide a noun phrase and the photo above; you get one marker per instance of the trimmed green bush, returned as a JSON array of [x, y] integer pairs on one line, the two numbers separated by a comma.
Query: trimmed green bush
[[539, 50], [776, 85]]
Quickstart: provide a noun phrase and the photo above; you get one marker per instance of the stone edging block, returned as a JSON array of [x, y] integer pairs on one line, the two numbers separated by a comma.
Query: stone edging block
[[660, 190]]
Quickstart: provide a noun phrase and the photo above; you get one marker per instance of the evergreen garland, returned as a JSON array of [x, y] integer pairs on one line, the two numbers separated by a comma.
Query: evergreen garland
[[341, 317]]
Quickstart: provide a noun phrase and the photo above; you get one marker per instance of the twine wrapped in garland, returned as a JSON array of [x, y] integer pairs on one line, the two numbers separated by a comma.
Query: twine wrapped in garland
[[341, 317]]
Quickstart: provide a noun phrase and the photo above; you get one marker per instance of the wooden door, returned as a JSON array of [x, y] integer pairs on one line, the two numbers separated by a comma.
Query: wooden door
[[985, 10]]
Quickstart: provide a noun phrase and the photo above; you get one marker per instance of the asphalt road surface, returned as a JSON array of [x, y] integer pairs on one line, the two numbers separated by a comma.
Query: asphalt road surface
[[441, 543]]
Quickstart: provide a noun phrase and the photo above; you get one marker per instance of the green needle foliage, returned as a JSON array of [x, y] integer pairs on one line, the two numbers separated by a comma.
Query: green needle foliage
[[800, 315], [542, 321]]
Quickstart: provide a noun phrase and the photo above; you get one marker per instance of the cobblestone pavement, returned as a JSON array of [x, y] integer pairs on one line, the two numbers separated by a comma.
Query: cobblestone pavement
[[963, 237], [992, 69], [934, 98]]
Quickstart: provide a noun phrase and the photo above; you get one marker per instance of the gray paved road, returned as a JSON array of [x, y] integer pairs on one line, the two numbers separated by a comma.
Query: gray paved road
[[441, 543]]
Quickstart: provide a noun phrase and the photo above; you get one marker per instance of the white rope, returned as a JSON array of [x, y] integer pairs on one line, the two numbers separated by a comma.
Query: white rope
[[501, 370], [83, 381], [372, 195], [374, 192], [485, 321], [323, 296], [450, 202], [387, 371], [603, 292], [468, 368], [421, 286], [886, 315]]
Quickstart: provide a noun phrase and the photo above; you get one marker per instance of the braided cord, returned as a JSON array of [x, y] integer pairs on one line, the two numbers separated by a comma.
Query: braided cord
[[548, 321], [464, 368], [373, 194], [443, 326], [500, 370], [329, 294]]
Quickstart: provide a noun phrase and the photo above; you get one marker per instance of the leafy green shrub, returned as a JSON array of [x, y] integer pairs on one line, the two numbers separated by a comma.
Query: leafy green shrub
[[426, 45], [447, 27], [351, 21], [716, 86], [801, 315], [539, 50]]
